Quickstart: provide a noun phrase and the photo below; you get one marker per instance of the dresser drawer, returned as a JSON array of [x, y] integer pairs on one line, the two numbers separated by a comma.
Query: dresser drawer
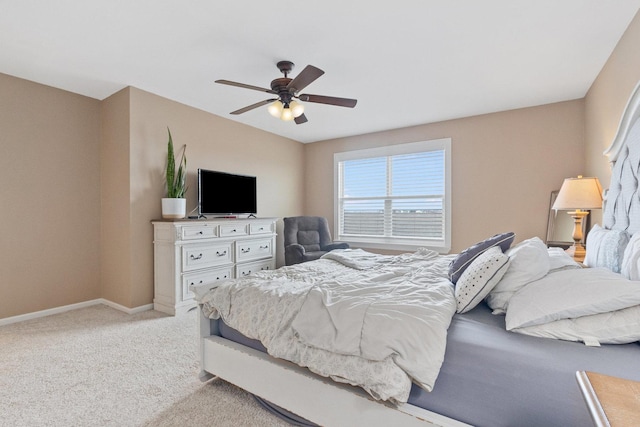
[[201, 231], [254, 249], [261, 227], [243, 270], [188, 254], [203, 277], [202, 256], [232, 230]]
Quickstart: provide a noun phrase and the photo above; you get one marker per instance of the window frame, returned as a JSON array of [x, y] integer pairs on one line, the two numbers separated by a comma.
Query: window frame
[[396, 243]]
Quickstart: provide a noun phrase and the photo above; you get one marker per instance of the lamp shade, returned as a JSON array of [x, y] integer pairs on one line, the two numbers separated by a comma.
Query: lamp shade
[[296, 108], [579, 193], [286, 111], [275, 109], [287, 114]]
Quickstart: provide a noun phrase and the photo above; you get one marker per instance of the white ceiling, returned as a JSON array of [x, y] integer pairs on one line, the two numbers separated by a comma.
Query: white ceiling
[[407, 62]]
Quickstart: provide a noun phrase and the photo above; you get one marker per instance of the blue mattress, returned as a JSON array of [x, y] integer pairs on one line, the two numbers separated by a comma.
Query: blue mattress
[[492, 377]]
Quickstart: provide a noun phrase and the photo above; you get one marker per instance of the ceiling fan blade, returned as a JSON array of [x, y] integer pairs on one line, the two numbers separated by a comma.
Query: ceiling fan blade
[[252, 106], [301, 119], [230, 83], [305, 78], [331, 100]]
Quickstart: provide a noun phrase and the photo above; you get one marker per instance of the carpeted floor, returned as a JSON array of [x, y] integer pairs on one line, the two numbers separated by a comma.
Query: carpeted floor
[[97, 366]]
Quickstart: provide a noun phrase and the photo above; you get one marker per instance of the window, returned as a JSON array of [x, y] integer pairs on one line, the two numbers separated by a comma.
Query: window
[[395, 197]]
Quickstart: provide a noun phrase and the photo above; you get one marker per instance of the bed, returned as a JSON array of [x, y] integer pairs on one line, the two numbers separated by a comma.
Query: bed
[[508, 325]]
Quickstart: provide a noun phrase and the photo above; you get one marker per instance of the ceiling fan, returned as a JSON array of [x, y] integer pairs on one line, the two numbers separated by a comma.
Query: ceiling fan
[[287, 90]]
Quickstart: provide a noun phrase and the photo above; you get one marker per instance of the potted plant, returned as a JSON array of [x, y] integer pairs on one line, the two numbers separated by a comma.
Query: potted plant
[[174, 206]]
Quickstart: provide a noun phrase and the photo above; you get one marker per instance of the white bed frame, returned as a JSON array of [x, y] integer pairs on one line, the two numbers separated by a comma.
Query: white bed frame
[[300, 391], [319, 399]]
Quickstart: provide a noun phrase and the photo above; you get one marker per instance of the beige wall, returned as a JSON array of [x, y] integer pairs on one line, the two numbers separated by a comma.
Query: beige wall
[[115, 212], [212, 143], [85, 179], [50, 228], [607, 98], [504, 167]]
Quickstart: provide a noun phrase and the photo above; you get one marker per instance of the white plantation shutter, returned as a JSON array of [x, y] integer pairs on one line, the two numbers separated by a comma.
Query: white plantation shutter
[[398, 198]]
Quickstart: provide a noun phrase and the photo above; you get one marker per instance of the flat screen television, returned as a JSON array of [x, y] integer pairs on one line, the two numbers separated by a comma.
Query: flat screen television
[[226, 194]]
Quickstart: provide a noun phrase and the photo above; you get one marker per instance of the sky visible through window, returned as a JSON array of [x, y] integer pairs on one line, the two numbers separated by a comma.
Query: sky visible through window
[[417, 174]]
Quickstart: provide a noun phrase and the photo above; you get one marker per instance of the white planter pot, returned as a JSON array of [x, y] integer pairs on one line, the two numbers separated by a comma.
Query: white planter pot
[[174, 208]]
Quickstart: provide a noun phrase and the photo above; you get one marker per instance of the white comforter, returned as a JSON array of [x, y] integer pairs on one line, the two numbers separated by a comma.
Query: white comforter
[[369, 320]]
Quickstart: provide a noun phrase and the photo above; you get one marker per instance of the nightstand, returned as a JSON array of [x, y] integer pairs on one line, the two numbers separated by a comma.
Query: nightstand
[[611, 401]]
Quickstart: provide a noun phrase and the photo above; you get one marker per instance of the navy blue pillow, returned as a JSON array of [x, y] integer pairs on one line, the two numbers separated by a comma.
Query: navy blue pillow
[[466, 257]]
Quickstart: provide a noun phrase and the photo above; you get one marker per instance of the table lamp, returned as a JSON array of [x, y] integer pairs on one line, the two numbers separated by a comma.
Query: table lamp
[[576, 195]]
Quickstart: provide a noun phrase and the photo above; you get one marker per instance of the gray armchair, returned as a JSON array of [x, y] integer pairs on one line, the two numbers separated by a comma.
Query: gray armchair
[[307, 238]]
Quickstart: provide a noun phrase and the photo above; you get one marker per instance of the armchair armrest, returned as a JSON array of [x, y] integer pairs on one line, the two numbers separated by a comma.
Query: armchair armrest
[[335, 245], [293, 254]]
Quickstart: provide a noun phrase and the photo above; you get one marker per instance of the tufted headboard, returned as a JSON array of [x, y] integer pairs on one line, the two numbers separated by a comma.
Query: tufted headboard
[[622, 206]]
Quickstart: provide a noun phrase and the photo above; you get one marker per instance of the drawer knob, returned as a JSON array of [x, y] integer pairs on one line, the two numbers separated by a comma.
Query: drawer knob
[[223, 253], [246, 273], [264, 247], [245, 250], [200, 232], [193, 257]]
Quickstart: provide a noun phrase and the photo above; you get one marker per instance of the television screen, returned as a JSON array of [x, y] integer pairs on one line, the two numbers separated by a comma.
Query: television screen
[[221, 193]]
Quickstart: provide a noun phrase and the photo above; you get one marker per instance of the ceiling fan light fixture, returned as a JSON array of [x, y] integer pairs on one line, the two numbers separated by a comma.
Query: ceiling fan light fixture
[[287, 114], [296, 108], [275, 109]]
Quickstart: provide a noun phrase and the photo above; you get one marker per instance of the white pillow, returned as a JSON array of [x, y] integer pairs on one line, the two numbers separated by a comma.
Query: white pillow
[[529, 262], [618, 327], [630, 267], [559, 259], [480, 277], [605, 248], [569, 294]]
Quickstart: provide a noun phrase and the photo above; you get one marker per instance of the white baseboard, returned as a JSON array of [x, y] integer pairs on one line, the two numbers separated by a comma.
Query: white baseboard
[[126, 309], [64, 308]]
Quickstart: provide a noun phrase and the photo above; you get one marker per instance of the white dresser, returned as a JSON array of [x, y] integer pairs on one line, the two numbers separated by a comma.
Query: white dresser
[[188, 252]]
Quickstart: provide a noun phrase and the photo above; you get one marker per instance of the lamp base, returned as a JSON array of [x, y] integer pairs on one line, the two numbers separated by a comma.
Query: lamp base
[[577, 252]]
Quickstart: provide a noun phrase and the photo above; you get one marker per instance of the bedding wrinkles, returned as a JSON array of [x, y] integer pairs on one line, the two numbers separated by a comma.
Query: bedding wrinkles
[[398, 314], [376, 293]]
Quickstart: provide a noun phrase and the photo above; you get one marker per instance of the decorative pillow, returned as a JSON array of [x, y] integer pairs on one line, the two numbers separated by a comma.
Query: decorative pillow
[[310, 239], [466, 257], [605, 248], [529, 261], [480, 277], [630, 267]]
